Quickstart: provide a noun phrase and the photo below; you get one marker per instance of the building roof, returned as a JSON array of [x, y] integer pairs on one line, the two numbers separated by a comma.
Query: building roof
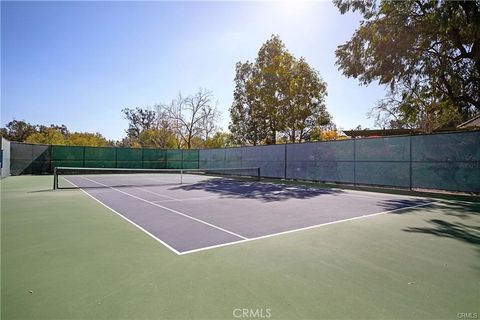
[[401, 132], [474, 122], [379, 132]]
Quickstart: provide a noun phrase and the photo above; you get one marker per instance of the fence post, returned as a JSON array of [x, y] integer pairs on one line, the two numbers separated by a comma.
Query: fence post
[[50, 160], [354, 161], [84, 148], [224, 158], [285, 173], [410, 160], [181, 157]]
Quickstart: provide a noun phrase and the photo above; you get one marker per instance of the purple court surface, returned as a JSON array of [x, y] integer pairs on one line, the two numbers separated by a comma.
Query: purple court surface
[[202, 215]]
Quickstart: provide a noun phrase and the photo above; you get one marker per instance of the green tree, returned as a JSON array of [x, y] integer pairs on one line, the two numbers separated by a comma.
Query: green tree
[[247, 123], [86, 139], [426, 52], [139, 119], [278, 96], [220, 140], [273, 63], [61, 128], [47, 136], [197, 143], [17, 130], [127, 142], [305, 108], [158, 138]]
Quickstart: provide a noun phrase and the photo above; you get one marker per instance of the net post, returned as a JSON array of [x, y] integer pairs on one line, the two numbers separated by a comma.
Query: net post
[[258, 174], [55, 178], [181, 176]]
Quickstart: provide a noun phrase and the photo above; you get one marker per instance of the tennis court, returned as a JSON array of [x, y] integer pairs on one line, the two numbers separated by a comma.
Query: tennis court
[[194, 212], [310, 252], [176, 234]]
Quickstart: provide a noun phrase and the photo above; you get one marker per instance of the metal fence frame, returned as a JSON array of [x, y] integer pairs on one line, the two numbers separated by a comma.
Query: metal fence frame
[[427, 161], [408, 166]]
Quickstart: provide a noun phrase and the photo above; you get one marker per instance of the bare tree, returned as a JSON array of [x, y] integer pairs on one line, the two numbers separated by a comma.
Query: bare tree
[[193, 116], [210, 116]]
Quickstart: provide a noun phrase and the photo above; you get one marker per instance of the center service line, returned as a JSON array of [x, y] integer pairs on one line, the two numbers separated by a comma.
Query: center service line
[[168, 209]]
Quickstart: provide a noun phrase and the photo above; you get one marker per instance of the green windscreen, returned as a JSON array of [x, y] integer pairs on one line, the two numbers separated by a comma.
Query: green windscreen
[[190, 159], [449, 161], [212, 158], [383, 161], [129, 158], [154, 158], [68, 156], [100, 157], [270, 159], [321, 161], [444, 161], [174, 159]]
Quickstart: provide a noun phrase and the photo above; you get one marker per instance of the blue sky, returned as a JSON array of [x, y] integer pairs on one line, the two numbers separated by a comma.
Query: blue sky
[[80, 63]]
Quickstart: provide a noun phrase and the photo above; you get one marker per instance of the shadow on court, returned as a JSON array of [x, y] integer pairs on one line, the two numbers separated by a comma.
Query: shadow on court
[[267, 192], [397, 204], [457, 230], [465, 230]]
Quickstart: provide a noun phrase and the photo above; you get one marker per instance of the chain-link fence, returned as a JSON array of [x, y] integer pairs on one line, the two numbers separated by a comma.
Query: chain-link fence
[[446, 161]]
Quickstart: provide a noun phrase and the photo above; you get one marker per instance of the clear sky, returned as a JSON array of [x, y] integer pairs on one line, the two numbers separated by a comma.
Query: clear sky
[[80, 63]]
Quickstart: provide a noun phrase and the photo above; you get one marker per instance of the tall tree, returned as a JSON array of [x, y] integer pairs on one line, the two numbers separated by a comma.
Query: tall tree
[[220, 140], [273, 64], [139, 119], [47, 136], [17, 130], [208, 123], [162, 138], [86, 139], [248, 124], [277, 96], [61, 128], [427, 52], [305, 102]]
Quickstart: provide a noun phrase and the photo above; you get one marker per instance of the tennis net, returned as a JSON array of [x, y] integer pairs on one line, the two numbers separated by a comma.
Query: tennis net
[[73, 177]]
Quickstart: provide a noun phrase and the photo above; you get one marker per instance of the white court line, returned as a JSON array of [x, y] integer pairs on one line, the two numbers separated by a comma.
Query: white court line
[[158, 194], [168, 209], [125, 218], [277, 192], [256, 238], [378, 195], [350, 193], [302, 229], [189, 199]]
